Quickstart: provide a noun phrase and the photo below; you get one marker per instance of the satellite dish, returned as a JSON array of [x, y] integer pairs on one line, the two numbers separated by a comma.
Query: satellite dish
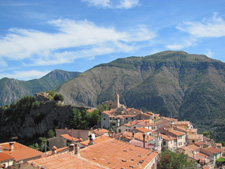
[[93, 136]]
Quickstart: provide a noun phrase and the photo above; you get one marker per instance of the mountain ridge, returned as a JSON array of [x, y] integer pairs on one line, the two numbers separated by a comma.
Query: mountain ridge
[[12, 89], [172, 83]]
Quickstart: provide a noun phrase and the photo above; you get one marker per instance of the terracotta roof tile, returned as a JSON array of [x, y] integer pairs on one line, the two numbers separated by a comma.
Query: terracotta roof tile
[[174, 132], [99, 132], [139, 136], [214, 150], [165, 137], [199, 143], [191, 148], [20, 151], [143, 130], [64, 160], [96, 140], [4, 157], [195, 136], [117, 154], [68, 137], [180, 128], [140, 144]]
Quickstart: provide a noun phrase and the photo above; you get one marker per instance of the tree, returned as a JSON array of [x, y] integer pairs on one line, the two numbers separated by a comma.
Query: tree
[[206, 134], [171, 160], [58, 97], [51, 133], [95, 118], [75, 119], [51, 94]]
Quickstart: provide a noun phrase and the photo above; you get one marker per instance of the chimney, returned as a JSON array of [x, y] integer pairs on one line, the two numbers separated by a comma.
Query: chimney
[[77, 148], [71, 147], [143, 140], [91, 141], [54, 148], [0, 149], [11, 146]]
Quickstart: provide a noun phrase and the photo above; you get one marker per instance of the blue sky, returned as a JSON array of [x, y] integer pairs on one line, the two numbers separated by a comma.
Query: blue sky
[[38, 36]]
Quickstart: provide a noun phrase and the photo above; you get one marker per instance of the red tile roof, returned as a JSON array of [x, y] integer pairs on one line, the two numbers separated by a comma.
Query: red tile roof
[[60, 150], [139, 136], [118, 154], [64, 160], [174, 132], [168, 138], [5, 157], [143, 130], [96, 140], [20, 152], [68, 137], [191, 148], [214, 150], [195, 136], [99, 132], [199, 143], [131, 123], [140, 144]]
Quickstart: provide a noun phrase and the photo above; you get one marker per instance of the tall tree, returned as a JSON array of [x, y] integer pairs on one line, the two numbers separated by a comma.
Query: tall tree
[[171, 160]]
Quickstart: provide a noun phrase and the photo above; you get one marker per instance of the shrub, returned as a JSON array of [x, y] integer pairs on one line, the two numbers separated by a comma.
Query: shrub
[[59, 97], [36, 105]]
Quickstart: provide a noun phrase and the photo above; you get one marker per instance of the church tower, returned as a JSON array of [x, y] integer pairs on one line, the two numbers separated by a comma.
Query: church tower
[[117, 100]]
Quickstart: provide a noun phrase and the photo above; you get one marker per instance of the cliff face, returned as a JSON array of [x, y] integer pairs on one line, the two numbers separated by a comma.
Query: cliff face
[[11, 89], [175, 84], [32, 122]]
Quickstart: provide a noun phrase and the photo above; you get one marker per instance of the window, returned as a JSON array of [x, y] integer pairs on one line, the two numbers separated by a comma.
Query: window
[[132, 118], [104, 119], [126, 118]]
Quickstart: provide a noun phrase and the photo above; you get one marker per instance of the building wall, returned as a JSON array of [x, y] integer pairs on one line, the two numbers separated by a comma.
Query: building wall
[[7, 163], [105, 121], [171, 145], [152, 164], [59, 142], [122, 128], [74, 133], [181, 141]]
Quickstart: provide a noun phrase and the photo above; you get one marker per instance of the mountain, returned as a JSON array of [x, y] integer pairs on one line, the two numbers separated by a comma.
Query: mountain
[[11, 89], [172, 83]]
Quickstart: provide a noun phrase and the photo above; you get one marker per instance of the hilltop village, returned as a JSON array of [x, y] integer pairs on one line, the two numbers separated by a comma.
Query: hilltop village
[[128, 138]]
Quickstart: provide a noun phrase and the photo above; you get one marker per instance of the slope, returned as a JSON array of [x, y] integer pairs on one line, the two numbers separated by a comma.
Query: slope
[[11, 89], [172, 83]]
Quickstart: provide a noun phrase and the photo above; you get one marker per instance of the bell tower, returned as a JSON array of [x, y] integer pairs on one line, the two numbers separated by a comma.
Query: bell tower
[[117, 100]]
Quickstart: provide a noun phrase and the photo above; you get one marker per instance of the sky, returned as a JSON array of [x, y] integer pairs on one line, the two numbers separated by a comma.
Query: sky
[[39, 36]]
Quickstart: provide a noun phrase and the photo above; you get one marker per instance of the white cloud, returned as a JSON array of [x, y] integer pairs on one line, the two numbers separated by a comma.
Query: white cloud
[[209, 53], [126, 4], [184, 44], [73, 39], [212, 27], [122, 4], [99, 3], [25, 75]]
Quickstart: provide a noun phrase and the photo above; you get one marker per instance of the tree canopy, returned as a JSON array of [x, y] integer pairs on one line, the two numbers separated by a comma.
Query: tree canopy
[[171, 160]]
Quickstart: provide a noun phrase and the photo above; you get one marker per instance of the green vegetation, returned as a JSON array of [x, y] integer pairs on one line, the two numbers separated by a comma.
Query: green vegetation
[[220, 161], [172, 83], [84, 120], [11, 90], [171, 160], [58, 97]]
